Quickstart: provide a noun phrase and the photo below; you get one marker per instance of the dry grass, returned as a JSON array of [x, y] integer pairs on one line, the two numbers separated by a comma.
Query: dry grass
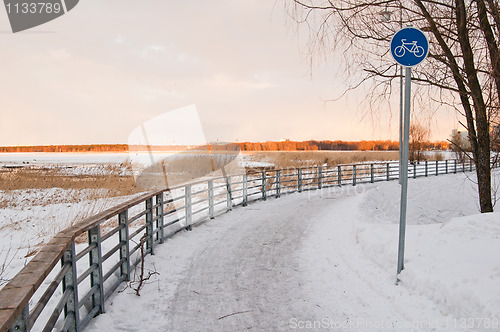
[[105, 181], [49, 187], [436, 156], [287, 159], [108, 178], [187, 167], [52, 192]]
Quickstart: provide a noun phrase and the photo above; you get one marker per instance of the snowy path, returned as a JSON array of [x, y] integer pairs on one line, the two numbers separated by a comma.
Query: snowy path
[[252, 269], [243, 263], [322, 260]]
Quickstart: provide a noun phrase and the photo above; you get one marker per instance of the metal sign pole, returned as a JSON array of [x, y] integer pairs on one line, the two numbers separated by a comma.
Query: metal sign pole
[[400, 123], [404, 170], [409, 47], [400, 99]]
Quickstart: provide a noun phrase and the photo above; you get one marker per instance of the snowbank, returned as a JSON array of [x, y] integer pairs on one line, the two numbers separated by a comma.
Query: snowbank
[[457, 265], [452, 251]]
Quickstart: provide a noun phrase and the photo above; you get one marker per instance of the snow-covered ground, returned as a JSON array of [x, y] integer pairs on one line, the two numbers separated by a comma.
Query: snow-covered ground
[[103, 158], [245, 159], [31, 218], [327, 260], [48, 158]]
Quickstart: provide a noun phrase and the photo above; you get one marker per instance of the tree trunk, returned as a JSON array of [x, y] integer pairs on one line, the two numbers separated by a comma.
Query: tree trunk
[[482, 150], [483, 171]]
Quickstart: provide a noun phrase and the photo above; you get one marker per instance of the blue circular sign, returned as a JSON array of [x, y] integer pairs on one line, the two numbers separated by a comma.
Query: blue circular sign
[[409, 47]]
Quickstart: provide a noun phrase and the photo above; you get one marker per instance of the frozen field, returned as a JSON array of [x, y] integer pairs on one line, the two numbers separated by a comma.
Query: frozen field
[[45, 158], [327, 260], [251, 159], [86, 159]]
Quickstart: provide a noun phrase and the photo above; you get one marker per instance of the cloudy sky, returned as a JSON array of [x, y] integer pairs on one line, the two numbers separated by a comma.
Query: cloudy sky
[[98, 72]]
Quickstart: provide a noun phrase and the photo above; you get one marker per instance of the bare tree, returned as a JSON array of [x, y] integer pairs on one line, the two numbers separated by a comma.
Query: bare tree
[[463, 66], [419, 134]]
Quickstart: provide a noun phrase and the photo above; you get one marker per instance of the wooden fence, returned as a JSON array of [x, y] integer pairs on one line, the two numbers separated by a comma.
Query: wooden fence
[[69, 280]]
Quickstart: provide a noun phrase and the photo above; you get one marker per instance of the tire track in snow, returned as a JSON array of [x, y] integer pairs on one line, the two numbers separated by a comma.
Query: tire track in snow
[[249, 279]]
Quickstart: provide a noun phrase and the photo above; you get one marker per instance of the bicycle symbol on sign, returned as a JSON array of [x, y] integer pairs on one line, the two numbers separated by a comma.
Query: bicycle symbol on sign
[[411, 47]]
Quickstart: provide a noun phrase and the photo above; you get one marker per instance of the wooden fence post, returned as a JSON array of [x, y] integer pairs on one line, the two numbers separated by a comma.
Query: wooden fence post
[[278, 183], [229, 196], [149, 226], [21, 322], [123, 237], [264, 189], [299, 174], [159, 217], [188, 209], [320, 176], [70, 284], [245, 189], [96, 277], [211, 199]]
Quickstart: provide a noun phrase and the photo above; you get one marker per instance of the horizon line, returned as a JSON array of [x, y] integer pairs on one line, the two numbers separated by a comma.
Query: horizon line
[[219, 142]]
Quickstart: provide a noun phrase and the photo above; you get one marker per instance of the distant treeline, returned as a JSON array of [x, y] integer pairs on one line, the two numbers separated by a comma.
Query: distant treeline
[[245, 146], [334, 145], [67, 148], [89, 148]]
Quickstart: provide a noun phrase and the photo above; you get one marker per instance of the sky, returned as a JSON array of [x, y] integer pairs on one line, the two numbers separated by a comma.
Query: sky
[[98, 72]]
